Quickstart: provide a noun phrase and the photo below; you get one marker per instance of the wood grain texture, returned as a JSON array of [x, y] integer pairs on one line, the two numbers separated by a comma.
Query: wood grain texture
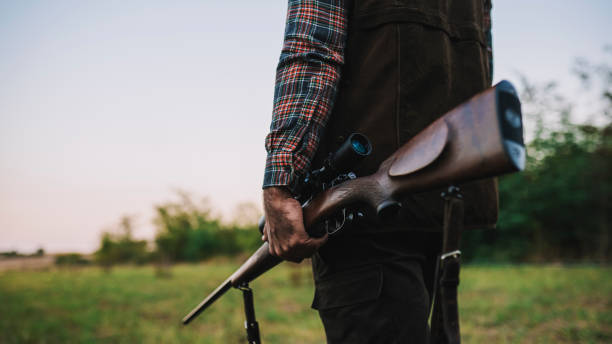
[[417, 154]]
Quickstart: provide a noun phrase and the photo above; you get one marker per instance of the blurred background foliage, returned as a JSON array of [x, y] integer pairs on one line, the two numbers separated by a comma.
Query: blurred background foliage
[[121, 247], [187, 231], [559, 208]]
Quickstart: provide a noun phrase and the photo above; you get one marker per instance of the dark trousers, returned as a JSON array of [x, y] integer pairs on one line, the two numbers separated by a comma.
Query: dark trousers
[[382, 301]]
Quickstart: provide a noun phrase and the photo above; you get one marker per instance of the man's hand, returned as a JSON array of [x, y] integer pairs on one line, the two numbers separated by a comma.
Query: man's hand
[[284, 229]]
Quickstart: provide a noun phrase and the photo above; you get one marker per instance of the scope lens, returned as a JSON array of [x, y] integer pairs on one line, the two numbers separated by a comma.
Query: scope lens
[[359, 146]]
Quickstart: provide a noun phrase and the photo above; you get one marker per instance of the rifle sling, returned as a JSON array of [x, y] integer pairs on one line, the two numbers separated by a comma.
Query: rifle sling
[[445, 316]]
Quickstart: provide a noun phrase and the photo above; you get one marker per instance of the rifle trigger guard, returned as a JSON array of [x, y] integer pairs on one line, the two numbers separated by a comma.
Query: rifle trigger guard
[[342, 219], [335, 223]]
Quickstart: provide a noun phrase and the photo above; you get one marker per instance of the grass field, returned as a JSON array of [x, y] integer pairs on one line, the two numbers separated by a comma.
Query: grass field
[[500, 304]]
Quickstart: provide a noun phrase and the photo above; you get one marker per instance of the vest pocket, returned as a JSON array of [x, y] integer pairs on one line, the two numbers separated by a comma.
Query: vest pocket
[[348, 288]]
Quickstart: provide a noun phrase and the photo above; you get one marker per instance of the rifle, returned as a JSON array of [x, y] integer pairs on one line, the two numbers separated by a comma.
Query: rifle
[[481, 138]]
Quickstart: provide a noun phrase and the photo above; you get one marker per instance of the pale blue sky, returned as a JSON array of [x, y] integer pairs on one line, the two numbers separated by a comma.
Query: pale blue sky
[[106, 107]]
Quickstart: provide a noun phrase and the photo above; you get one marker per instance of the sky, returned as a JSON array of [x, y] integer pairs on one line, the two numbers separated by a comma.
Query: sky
[[107, 108]]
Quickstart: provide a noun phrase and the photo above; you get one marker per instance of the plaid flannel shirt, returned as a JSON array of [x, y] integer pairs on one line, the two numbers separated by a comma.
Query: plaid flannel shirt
[[307, 78], [306, 81]]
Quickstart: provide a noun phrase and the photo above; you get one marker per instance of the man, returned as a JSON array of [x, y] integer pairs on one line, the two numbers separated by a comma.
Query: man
[[385, 69]]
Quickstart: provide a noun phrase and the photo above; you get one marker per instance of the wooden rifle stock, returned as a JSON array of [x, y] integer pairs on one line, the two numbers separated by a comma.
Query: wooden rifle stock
[[480, 138]]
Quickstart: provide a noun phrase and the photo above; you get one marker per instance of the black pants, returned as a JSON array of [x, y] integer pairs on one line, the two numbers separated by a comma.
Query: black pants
[[386, 299]]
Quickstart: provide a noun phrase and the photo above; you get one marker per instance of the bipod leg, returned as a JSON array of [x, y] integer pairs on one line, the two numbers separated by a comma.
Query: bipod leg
[[445, 316], [250, 324]]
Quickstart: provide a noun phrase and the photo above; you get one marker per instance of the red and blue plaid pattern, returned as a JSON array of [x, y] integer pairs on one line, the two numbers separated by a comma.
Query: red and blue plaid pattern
[[306, 80]]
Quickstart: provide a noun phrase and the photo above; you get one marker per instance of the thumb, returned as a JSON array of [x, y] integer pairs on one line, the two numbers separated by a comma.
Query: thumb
[[264, 236]]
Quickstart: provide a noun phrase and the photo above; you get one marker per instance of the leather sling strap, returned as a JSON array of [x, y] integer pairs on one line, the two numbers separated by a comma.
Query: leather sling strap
[[445, 317]]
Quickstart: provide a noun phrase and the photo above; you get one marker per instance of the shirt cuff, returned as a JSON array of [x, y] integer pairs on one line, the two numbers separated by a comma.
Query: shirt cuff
[[278, 169]]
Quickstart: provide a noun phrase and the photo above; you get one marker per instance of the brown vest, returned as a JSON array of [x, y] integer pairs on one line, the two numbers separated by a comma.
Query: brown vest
[[408, 62]]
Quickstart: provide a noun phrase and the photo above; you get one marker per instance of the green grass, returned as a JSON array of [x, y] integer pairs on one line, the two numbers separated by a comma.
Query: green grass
[[498, 304], [536, 304]]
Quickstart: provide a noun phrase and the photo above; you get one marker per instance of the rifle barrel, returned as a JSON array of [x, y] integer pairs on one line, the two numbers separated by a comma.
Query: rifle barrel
[[260, 262], [225, 286]]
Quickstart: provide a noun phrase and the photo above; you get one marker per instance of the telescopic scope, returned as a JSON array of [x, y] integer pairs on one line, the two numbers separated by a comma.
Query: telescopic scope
[[353, 150]]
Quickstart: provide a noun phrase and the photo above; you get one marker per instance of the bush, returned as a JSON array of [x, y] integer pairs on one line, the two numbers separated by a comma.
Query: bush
[[71, 259], [188, 232], [121, 248]]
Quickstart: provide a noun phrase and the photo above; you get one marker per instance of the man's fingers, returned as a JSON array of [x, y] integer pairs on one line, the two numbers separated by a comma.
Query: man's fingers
[[302, 249], [274, 250], [293, 252], [318, 242], [294, 249], [270, 249]]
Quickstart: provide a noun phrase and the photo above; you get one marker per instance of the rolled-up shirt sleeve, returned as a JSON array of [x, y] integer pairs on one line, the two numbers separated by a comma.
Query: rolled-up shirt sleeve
[[307, 78]]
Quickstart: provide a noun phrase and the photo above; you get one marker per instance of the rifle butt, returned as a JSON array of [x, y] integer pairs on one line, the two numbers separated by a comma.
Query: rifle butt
[[478, 139]]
